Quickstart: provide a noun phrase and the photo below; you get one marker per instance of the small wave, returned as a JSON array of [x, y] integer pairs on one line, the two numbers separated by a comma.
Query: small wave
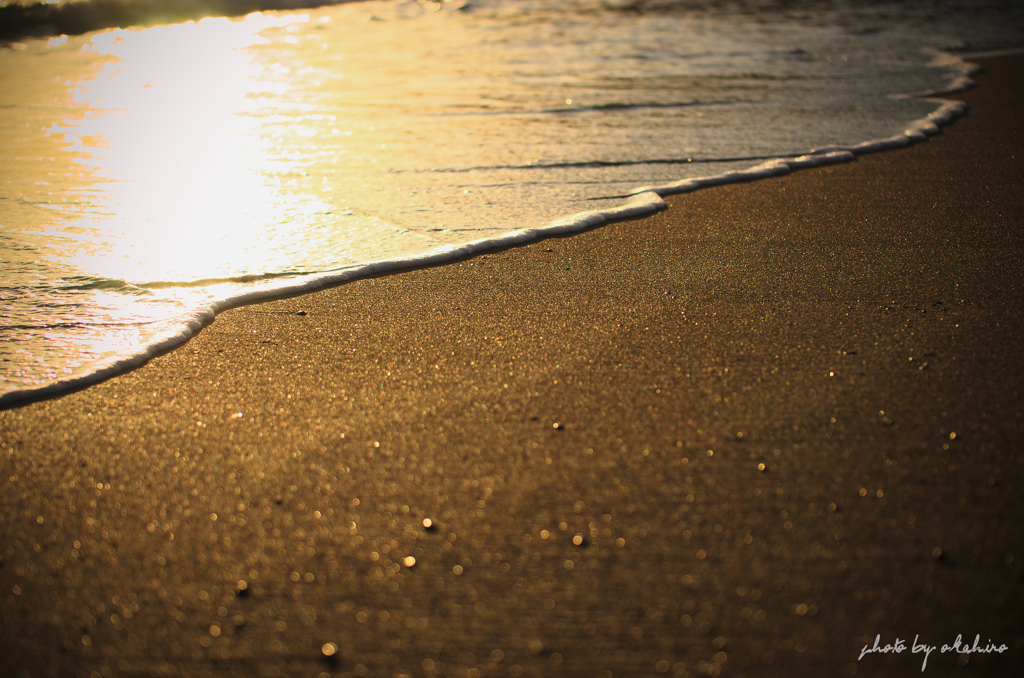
[[91, 284], [82, 283], [596, 108], [255, 277], [36, 327], [584, 164]]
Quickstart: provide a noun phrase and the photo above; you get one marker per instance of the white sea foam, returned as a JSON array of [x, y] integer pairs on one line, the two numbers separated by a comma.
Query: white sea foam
[[671, 119]]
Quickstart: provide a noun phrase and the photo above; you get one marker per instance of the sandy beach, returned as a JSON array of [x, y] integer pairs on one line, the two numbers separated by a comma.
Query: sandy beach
[[742, 437]]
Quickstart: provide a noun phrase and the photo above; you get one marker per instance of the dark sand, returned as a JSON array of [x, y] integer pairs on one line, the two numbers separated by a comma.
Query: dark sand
[[858, 329]]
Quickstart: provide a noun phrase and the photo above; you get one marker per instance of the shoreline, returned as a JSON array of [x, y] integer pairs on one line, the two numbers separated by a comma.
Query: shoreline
[[640, 203], [851, 328]]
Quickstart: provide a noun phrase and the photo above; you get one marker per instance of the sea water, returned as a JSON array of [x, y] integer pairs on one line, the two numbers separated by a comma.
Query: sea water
[[152, 176]]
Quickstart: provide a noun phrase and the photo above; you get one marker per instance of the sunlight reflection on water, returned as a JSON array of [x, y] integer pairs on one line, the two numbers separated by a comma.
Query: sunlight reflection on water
[[188, 178]]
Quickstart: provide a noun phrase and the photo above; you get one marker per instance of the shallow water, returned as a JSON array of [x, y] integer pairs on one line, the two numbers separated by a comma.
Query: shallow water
[[150, 174]]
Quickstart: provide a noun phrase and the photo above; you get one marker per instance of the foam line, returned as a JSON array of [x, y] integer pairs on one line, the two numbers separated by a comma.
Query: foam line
[[641, 202]]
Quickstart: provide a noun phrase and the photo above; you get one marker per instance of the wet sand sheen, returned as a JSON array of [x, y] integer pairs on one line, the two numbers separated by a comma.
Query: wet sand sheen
[[850, 328]]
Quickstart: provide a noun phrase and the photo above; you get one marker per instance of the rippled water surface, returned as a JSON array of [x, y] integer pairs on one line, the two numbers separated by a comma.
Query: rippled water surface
[[148, 172]]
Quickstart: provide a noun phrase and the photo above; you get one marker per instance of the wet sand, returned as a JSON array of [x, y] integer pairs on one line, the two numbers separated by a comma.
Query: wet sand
[[584, 420]]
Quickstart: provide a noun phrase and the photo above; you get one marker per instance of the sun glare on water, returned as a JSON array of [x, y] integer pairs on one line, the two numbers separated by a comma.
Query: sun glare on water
[[176, 137]]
